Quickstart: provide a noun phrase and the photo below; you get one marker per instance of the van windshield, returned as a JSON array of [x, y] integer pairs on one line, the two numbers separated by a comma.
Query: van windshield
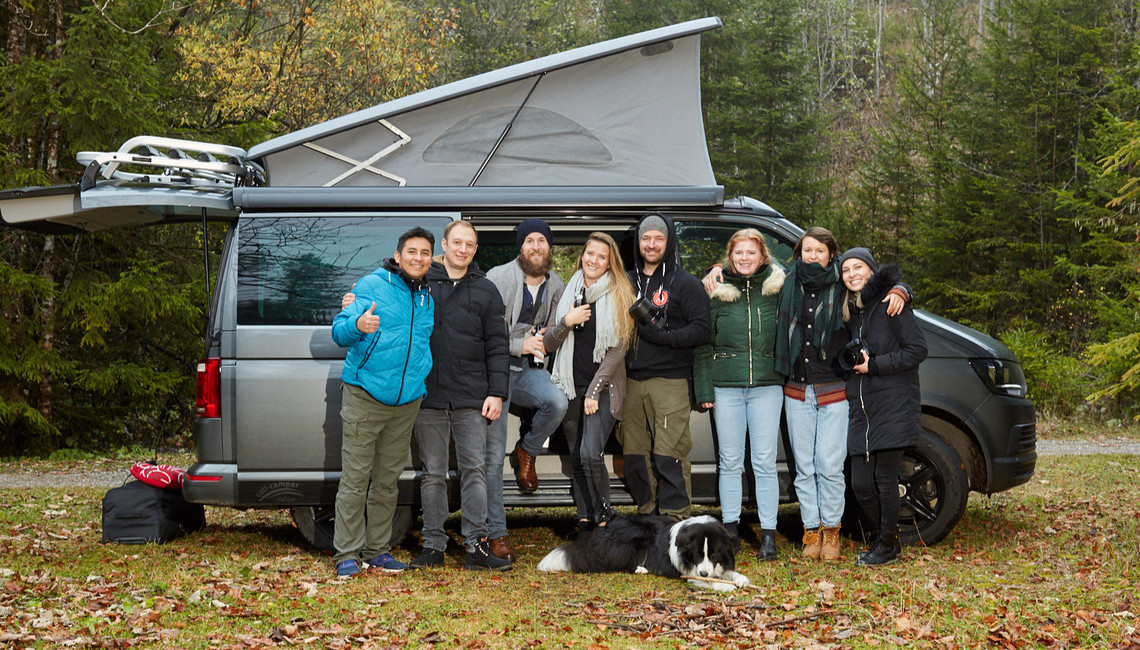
[[293, 270]]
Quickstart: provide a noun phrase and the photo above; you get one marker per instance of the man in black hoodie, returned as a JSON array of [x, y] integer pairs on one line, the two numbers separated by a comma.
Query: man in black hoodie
[[655, 419]]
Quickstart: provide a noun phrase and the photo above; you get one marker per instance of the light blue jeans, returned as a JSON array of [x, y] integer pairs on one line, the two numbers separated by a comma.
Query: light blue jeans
[[819, 443], [755, 411]]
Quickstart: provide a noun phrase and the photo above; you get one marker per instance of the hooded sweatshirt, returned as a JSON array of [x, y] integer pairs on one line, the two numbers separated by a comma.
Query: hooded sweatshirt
[[682, 307]]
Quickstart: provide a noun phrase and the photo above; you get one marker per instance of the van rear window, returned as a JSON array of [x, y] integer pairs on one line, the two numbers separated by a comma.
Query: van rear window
[[293, 270]]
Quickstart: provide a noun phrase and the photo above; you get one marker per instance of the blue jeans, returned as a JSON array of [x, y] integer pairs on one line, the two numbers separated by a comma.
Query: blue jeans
[[819, 443], [756, 411], [530, 388]]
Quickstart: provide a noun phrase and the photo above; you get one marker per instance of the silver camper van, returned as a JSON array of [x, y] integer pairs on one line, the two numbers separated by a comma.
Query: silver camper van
[[589, 139]]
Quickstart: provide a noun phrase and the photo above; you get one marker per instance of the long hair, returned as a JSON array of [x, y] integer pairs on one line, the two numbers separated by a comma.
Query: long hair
[[742, 235], [620, 287]]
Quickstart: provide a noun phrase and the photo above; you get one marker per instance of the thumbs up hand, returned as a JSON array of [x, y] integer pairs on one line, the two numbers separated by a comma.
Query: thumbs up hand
[[368, 322]]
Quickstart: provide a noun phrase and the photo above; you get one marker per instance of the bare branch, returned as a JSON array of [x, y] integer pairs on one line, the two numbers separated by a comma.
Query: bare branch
[[175, 7]]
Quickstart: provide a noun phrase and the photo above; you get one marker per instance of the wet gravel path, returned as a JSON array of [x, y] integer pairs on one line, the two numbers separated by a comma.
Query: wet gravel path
[[110, 474]]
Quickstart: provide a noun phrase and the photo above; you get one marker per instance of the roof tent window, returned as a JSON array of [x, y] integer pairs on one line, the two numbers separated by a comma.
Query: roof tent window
[[292, 270], [538, 136]]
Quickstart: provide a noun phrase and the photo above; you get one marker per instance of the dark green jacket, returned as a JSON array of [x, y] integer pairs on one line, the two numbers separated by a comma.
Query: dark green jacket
[[741, 354]]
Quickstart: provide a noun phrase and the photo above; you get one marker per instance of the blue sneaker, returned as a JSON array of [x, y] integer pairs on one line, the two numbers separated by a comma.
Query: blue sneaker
[[347, 568], [385, 562]]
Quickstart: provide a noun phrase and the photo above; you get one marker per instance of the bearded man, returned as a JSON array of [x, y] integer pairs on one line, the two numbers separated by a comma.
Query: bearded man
[[530, 290]]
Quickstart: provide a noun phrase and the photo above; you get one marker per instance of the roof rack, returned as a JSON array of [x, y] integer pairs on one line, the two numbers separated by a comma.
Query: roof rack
[[178, 163]]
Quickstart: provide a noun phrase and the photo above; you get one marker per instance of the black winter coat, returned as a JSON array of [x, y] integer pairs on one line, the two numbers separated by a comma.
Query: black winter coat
[[885, 404], [469, 349]]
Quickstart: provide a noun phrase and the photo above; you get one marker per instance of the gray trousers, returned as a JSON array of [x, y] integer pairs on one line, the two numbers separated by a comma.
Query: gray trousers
[[435, 430], [375, 445]]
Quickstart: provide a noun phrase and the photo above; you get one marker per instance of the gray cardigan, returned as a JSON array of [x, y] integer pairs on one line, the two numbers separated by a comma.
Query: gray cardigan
[[511, 281]]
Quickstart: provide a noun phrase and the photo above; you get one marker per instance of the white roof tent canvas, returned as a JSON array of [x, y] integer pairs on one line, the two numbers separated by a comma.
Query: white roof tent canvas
[[623, 112], [618, 121]]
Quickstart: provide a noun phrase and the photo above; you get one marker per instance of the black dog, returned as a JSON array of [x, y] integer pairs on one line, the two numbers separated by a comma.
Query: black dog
[[700, 546]]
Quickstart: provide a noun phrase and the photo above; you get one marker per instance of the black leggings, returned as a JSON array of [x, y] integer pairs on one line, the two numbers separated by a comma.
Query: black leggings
[[875, 481]]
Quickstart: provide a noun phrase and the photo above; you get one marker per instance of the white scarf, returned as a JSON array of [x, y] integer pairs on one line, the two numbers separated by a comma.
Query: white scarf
[[606, 335]]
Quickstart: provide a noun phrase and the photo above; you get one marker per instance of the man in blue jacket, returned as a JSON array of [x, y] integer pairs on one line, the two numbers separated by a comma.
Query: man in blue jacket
[[387, 330]]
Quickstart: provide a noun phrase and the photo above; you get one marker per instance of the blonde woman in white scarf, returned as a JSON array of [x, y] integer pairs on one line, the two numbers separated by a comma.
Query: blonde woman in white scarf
[[591, 335]]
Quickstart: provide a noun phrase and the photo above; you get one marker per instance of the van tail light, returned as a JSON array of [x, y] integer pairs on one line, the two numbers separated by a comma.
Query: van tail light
[[208, 404]]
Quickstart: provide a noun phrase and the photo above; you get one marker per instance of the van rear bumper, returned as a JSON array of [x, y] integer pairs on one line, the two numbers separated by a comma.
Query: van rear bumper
[[220, 484]]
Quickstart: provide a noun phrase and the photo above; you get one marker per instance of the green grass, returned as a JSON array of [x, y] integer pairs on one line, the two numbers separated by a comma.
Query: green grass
[[1051, 563], [1087, 426]]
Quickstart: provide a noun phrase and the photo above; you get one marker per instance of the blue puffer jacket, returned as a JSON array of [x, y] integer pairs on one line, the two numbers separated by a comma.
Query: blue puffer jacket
[[392, 362]]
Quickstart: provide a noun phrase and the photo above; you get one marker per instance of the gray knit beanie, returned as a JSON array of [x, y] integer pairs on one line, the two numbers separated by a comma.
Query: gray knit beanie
[[652, 222], [860, 253]]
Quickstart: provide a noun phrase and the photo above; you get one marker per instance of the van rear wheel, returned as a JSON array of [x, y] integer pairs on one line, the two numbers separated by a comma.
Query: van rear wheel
[[316, 524]]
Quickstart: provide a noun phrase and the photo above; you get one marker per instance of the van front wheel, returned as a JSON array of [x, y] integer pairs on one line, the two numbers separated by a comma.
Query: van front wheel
[[934, 489], [316, 524]]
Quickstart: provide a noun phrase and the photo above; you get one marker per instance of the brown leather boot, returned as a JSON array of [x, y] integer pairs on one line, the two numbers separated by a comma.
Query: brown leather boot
[[829, 548], [525, 476], [811, 544], [500, 549]]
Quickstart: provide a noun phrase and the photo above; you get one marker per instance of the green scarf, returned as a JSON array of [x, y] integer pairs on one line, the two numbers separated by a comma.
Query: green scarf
[[828, 315]]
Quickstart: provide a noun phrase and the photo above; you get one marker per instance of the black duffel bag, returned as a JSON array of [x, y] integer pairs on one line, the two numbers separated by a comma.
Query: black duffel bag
[[137, 513]]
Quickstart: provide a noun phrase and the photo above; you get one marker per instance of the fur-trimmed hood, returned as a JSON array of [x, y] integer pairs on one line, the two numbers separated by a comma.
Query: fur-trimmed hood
[[880, 283], [729, 291]]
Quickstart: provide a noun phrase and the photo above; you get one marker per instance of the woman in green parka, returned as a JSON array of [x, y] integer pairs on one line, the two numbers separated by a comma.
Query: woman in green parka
[[735, 376]]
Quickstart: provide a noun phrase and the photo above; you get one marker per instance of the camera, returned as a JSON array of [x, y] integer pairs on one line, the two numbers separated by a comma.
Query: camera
[[852, 354], [643, 312]]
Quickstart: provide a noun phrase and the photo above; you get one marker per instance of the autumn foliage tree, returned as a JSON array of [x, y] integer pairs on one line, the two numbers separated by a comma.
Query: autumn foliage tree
[[262, 67]]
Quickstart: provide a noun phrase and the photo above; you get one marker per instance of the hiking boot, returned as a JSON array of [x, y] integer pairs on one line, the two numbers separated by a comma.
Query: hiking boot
[[525, 476], [885, 551], [428, 557], [480, 558], [501, 550], [811, 543], [733, 527], [385, 562], [346, 569], [829, 547], [767, 551]]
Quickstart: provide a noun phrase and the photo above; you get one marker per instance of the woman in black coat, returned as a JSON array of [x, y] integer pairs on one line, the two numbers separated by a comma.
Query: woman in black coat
[[885, 407]]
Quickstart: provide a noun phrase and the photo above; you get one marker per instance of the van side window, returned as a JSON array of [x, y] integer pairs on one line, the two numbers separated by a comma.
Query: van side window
[[292, 270], [702, 244]]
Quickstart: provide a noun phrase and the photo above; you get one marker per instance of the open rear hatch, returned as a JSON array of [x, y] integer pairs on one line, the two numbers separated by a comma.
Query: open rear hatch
[[148, 180]]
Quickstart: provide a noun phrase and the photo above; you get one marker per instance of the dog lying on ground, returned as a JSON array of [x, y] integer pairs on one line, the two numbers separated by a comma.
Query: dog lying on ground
[[699, 546]]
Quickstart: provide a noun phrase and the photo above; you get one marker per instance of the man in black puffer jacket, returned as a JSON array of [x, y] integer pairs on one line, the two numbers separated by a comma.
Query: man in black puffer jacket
[[465, 392]]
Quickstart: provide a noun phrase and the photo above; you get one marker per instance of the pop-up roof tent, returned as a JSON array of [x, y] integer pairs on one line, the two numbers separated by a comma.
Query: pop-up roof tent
[[624, 113]]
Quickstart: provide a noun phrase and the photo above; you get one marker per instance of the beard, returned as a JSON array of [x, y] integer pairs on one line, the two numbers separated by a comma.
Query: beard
[[537, 269]]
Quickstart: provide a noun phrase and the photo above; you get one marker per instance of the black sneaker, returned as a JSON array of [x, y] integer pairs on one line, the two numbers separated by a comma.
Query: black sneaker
[[428, 557], [480, 558]]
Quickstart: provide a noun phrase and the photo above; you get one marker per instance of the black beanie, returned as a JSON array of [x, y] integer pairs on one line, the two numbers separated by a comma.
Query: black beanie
[[529, 226]]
